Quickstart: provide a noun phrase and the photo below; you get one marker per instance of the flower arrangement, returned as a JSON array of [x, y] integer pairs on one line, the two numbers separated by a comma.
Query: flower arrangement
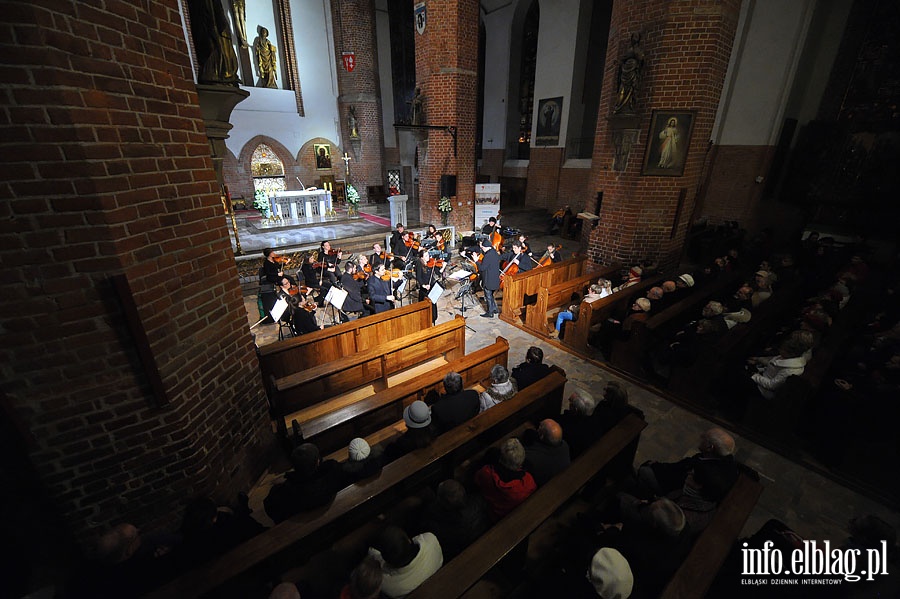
[[352, 195], [261, 201], [444, 205]]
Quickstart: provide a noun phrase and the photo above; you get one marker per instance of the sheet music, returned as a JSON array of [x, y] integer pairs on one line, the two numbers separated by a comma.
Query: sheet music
[[459, 275], [336, 297], [435, 293], [278, 309]]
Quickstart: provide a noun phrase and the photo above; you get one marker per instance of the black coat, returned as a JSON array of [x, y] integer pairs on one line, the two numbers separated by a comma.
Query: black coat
[[490, 270], [378, 292], [452, 410], [527, 373], [353, 303]]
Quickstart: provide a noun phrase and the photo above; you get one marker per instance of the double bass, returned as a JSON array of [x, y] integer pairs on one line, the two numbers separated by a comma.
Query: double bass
[[495, 236]]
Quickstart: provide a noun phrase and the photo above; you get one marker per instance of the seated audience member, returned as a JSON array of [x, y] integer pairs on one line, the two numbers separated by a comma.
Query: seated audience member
[[285, 590], [670, 295], [654, 538], [419, 431], [456, 519], [632, 278], [716, 449], [571, 314], [704, 489], [772, 372], [502, 388], [763, 288], [741, 300], [548, 455], [579, 429], [655, 295], [605, 286], [684, 283], [125, 559], [505, 484], [208, 531], [405, 563], [362, 461], [608, 577], [312, 483], [532, 369], [365, 581], [456, 405]]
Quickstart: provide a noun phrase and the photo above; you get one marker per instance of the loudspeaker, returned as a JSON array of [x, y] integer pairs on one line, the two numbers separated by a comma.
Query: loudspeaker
[[448, 185]]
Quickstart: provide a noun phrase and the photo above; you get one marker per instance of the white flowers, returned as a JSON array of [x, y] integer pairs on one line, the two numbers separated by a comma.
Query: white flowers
[[352, 195], [444, 205]]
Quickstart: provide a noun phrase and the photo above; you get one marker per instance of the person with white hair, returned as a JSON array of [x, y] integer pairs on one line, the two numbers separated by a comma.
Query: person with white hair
[[502, 387], [715, 449]]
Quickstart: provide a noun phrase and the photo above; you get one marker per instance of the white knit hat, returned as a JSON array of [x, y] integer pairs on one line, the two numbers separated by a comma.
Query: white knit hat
[[358, 450]]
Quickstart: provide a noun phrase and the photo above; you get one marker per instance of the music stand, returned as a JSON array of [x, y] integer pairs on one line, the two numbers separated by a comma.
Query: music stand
[[336, 298]]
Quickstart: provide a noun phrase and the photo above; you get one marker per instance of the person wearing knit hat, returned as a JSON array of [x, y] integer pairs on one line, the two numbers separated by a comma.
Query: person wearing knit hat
[[362, 461], [419, 432], [610, 574], [685, 280], [643, 303]]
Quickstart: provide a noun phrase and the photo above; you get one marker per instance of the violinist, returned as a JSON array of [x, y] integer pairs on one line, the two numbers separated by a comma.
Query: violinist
[[428, 271], [301, 310], [308, 270], [378, 257], [380, 294], [329, 259], [398, 245], [353, 304], [490, 276], [272, 269], [432, 233]]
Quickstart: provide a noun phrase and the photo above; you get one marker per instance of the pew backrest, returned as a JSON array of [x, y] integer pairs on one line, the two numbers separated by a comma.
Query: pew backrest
[[560, 295], [527, 283]]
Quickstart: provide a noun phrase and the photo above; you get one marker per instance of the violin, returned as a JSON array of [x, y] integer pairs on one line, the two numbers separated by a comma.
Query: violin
[[309, 306], [386, 256], [546, 260], [394, 273], [334, 252], [361, 275], [280, 259], [302, 290], [412, 243], [434, 263], [367, 269]]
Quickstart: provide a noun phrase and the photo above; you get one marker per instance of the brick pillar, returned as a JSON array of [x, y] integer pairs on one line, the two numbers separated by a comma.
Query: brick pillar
[[107, 171], [687, 44], [354, 31], [447, 73]]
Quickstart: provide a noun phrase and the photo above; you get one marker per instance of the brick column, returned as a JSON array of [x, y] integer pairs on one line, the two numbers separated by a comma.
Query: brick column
[[687, 44], [447, 73], [354, 31], [107, 171]]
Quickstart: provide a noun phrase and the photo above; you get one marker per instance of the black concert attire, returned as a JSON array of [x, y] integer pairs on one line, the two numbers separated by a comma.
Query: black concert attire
[[488, 228], [427, 277], [310, 275], [490, 279], [524, 261], [378, 291], [354, 302], [555, 257], [301, 320], [270, 272], [375, 260]]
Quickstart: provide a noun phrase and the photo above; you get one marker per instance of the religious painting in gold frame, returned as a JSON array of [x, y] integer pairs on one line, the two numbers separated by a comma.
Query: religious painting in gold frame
[[667, 142], [322, 154]]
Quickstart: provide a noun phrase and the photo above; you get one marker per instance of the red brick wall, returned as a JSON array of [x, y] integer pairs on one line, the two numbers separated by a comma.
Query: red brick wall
[[732, 192], [354, 26], [687, 44], [446, 72], [107, 170]]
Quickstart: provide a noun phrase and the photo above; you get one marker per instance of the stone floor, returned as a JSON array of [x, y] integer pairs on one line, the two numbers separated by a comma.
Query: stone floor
[[815, 506]]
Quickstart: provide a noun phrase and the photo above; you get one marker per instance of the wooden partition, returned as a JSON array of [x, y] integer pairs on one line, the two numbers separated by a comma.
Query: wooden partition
[[516, 287], [693, 579], [596, 311], [372, 366], [560, 295], [283, 546], [466, 569], [334, 429], [282, 358]]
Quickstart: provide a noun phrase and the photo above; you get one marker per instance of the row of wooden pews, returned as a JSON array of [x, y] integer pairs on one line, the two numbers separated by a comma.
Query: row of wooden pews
[[550, 300], [282, 547], [521, 289]]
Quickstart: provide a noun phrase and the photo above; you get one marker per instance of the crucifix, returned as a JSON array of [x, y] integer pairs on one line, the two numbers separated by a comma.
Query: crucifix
[[346, 158]]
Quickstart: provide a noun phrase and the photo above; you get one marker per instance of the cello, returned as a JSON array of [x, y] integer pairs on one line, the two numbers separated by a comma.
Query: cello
[[546, 259], [495, 236]]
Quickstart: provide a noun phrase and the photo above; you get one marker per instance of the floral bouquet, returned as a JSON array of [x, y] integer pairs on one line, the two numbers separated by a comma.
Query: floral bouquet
[[352, 195], [261, 202], [445, 208]]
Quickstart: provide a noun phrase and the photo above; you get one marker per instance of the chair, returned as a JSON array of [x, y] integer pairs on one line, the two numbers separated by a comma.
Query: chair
[[282, 325]]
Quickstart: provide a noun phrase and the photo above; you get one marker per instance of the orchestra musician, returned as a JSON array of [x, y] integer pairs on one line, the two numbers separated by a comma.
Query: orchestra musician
[[329, 258], [552, 254], [380, 293], [378, 257], [301, 310], [432, 233], [429, 270], [398, 245], [490, 276], [525, 247], [518, 257], [310, 276], [354, 303], [272, 268], [491, 225]]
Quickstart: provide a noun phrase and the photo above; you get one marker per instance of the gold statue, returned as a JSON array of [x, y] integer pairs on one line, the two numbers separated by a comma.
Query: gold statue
[[266, 60]]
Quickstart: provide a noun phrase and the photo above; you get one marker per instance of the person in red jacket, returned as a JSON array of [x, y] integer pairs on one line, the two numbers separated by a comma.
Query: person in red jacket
[[505, 484]]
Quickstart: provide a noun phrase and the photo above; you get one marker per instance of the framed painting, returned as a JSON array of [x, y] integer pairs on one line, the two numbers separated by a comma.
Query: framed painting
[[667, 142], [323, 156]]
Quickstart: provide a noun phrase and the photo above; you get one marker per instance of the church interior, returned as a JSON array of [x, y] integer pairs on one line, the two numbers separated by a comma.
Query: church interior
[[738, 156]]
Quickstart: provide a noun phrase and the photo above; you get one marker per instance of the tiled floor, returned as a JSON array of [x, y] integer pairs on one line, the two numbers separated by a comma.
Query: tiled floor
[[816, 507]]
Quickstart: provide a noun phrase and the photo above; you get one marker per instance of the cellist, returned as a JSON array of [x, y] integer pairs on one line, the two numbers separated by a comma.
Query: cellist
[[552, 254], [517, 257]]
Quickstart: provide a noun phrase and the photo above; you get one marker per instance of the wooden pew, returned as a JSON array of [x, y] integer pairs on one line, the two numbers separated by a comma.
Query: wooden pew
[[629, 354], [283, 546], [516, 287], [695, 575], [299, 353], [560, 296], [335, 428], [460, 574], [372, 367], [578, 332]]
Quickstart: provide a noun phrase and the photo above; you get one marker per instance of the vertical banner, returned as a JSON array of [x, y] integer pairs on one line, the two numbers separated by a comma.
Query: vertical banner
[[349, 60], [487, 203]]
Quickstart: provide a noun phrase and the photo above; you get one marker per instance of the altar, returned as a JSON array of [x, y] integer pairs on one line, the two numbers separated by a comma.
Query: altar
[[301, 204]]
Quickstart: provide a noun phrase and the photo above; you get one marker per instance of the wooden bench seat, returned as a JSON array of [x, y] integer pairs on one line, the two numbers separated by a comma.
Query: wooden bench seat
[[331, 426], [309, 387], [461, 573], [299, 353], [526, 284], [697, 572], [560, 296], [283, 546], [597, 311]]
